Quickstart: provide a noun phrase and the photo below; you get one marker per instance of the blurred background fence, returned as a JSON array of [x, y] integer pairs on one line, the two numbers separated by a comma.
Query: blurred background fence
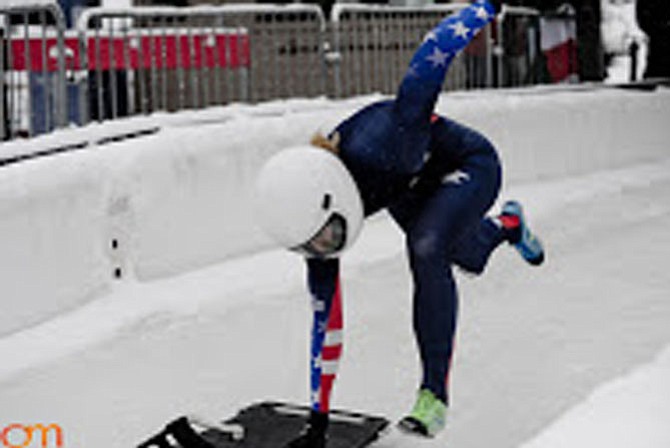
[[371, 46], [138, 60]]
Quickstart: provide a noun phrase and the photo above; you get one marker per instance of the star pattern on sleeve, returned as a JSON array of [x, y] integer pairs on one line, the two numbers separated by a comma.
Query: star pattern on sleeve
[[460, 30], [482, 14], [438, 58], [432, 35]]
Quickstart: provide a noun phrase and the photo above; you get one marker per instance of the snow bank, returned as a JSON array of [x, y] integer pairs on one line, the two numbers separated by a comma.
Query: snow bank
[[177, 199], [559, 133], [52, 225], [25, 4], [630, 411], [172, 200]]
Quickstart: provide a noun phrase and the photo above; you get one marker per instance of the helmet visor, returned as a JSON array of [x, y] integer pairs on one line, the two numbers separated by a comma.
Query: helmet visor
[[329, 240]]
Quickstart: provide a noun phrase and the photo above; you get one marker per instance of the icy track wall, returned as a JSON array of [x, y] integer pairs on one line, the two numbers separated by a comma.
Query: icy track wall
[[74, 225]]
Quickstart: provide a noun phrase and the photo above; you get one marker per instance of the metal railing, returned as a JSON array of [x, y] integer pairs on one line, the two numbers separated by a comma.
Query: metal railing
[[559, 45], [120, 62], [535, 49], [201, 56], [287, 49], [518, 47], [32, 69], [141, 60], [372, 45]]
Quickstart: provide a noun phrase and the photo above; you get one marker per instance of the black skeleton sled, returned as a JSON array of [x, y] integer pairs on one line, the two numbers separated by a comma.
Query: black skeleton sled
[[267, 425]]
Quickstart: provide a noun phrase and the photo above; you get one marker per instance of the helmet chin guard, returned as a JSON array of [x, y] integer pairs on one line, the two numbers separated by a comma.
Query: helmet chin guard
[[330, 240], [306, 200]]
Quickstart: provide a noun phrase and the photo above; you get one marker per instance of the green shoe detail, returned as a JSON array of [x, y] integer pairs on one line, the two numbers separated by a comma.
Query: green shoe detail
[[428, 417]]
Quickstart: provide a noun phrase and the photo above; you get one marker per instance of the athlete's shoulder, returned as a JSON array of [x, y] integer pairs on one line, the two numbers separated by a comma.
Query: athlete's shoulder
[[457, 138], [364, 114]]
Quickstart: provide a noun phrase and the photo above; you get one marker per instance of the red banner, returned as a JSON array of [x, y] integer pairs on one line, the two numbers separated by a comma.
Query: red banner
[[559, 44], [225, 50], [562, 61]]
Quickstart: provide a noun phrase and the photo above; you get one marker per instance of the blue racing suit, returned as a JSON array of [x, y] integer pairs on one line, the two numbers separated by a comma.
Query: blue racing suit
[[437, 178]]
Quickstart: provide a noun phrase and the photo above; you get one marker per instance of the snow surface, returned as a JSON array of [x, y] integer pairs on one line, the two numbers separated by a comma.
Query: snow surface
[[630, 411], [538, 348]]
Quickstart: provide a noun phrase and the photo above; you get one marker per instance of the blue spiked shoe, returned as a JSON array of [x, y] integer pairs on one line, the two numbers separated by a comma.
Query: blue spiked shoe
[[520, 236]]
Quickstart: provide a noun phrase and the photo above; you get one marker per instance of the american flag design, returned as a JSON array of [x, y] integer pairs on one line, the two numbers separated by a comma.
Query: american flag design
[[327, 335], [327, 329], [442, 43]]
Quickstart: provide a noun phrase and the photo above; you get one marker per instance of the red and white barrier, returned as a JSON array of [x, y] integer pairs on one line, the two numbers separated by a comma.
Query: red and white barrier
[[224, 49], [559, 45]]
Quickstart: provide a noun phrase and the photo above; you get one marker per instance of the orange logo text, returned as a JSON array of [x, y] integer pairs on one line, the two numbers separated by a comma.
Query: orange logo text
[[31, 436]]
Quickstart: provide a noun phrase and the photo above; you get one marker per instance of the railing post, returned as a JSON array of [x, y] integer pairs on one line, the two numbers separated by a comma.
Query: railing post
[[3, 84], [29, 67], [83, 93], [46, 76], [164, 74], [61, 99], [112, 72], [335, 55], [25, 70], [633, 51], [11, 80], [192, 66], [489, 45], [500, 46]]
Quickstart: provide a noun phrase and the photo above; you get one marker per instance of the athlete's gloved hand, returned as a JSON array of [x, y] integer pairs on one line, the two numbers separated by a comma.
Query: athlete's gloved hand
[[314, 434]]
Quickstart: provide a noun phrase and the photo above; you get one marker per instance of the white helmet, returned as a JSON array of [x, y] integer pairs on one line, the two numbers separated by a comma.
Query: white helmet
[[307, 201]]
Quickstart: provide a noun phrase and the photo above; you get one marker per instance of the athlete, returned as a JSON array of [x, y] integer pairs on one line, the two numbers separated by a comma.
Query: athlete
[[437, 178]]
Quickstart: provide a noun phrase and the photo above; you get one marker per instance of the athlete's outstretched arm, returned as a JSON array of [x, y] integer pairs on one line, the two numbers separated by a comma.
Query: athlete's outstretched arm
[[423, 82], [324, 286]]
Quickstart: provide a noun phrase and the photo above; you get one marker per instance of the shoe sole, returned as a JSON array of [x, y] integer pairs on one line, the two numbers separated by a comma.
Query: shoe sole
[[412, 426]]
